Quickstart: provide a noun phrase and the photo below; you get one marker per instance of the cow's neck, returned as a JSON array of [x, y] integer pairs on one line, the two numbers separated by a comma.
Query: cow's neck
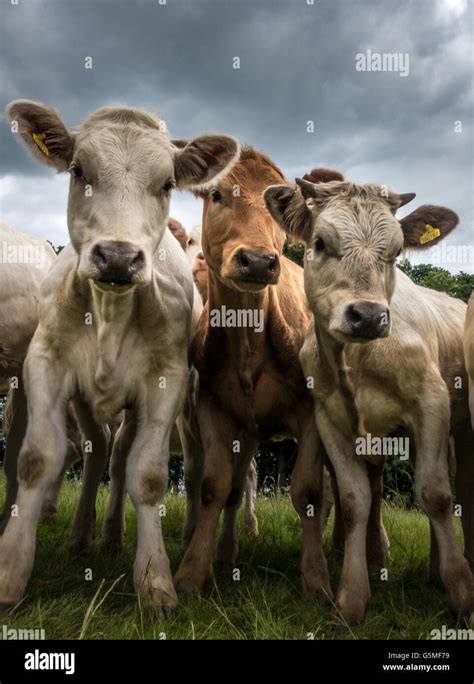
[[245, 344], [224, 299], [111, 317], [333, 372]]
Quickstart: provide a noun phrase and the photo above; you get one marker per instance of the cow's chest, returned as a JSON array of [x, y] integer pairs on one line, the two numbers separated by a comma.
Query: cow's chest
[[108, 374], [265, 402], [379, 408]]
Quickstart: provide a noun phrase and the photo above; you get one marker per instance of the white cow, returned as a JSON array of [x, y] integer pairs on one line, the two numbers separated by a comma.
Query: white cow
[[469, 352], [24, 262], [115, 321], [385, 354]]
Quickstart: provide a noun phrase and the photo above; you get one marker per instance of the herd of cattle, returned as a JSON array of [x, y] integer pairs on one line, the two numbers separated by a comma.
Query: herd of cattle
[[113, 346]]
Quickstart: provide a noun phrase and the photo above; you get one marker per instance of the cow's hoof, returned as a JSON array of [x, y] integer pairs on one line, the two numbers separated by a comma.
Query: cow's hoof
[[79, 547], [251, 527], [159, 602], [48, 513], [111, 544], [316, 590], [186, 583], [5, 609]]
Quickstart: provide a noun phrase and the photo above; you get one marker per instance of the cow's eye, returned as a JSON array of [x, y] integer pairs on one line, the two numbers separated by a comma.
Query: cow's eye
[[77, 171], [191, 241], [169, 185], [319, 245], [399, 252], [216, 196]]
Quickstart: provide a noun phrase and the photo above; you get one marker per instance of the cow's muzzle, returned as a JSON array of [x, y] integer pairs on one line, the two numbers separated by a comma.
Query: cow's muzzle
[[258, 268], [117, 263], [367, 320]]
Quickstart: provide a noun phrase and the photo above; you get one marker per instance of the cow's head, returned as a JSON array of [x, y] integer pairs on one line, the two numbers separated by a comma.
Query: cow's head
[[123, 168], [240, 240], [198, 263], [353, 240]]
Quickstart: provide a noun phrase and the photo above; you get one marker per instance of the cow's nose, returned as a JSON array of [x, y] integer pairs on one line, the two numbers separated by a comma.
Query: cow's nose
[[255, 267], [117, 262], [200, 259], [368, 319]]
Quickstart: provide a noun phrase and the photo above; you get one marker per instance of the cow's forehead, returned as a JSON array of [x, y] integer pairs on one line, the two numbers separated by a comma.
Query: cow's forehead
[[130, 148], [361, 220]]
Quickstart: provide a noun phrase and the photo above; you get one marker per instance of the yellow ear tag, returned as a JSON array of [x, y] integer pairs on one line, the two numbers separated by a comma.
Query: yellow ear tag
[[38, 138], [429, 234]]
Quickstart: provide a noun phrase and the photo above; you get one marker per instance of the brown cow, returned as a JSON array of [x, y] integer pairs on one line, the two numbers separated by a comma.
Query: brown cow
[[251, 385], [385, 354]]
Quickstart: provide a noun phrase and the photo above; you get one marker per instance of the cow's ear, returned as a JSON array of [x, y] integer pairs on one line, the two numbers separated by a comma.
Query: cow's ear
[[204, 160], [43, 132], [427, 225], [287, 206], [320, 175]]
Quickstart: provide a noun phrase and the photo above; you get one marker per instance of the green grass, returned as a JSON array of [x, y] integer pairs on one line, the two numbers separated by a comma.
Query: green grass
[[267, 602]]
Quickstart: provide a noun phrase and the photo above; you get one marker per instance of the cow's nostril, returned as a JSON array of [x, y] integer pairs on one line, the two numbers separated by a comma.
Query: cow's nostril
[[138, 260], [244, 261], [353, 315], [100, 255], [272, 262]]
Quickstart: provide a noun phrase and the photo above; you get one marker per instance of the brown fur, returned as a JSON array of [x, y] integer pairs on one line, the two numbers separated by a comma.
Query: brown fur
[[320, 175], [251, 383], [414, 225], [178, 231], [214, 349]]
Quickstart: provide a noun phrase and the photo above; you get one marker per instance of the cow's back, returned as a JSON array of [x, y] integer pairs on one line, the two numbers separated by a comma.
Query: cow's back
[[19, 293], [469, 352]]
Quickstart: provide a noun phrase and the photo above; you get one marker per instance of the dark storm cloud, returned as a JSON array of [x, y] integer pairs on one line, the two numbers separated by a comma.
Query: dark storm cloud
[[297, 64]]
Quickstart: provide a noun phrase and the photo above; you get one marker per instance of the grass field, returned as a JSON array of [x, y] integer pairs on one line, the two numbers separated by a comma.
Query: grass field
[[267, 602]]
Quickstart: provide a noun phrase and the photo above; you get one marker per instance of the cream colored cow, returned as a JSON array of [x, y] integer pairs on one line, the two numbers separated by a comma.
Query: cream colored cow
[[24, 262], [384, 354], [469, 352], [115, 320]]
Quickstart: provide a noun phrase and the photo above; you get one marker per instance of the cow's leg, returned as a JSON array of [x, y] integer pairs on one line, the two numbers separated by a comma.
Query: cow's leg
[[193, 456], [306, 491], [328, 500], [354, 495], [337, 547], [250, 518], [281, 474], [114, 522], [50, 505], [147, 480], [375, 530], [16, 433], [464, 483], [95, 451], [228, 545], [217, 431], [40, 463], [434, 494]]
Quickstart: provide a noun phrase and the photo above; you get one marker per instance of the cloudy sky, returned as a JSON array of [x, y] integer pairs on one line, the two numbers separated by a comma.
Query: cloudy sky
[[410, 129]]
